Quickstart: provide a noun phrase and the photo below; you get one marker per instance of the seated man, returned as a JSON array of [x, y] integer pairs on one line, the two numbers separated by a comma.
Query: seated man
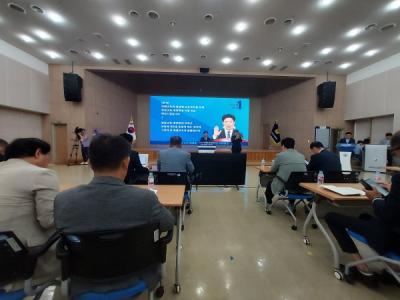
[[136, 172], [379, 230], [27, 192], [3, 146], [205, 138], [286, 162], [106, 203], [174, 159], [323, 160], [348, 139]]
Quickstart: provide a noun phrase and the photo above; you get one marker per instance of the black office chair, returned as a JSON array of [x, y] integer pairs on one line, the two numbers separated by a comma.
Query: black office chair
[[341, 177], [112, 255], [18, 262], [294, 192]]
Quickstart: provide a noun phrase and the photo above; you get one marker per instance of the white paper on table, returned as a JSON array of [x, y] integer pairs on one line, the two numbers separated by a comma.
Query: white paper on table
[[344, 191]]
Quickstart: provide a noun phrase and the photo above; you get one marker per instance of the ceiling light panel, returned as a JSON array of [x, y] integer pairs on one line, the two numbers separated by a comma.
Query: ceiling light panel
[[299, 29], [345, 66], [325, 3], [266, 62], [52, 54], [142, 57], [119, 20], [176, 44], [306, 64], [326, 51], [353, 47], [232, 46], [54, 17], [205, 41], [133, 42], [354, 32], [26, 38], [393, 5], [97, 55], [371, 52], [42, 34], [226, 60], [241, 26], [178, 58]]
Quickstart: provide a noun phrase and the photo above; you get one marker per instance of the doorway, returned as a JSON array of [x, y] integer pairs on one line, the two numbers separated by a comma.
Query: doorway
[[60, 143]]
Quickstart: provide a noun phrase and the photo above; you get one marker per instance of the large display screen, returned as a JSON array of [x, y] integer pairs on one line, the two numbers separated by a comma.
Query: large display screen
[[189, 117]]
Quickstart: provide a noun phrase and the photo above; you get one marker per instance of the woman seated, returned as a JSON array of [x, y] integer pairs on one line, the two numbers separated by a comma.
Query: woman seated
[[381, 230]]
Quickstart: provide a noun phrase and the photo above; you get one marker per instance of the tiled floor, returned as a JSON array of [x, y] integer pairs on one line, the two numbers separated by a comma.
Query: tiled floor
[[233, 250]]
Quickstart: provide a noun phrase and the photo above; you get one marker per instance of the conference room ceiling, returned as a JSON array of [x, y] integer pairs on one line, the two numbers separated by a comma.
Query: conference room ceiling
[[248, 36]]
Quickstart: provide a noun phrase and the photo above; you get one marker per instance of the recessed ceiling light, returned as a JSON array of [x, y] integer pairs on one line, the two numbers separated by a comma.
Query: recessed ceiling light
[[253, 1], [241, 26], [134, 13], [119, 20], [354, 32], [97, 55], [26, 38], [226, 60], [204, 40], [232, 46], [142, 57], [52, 54], [344, 65], [393, 5], [267, 62], [371, 52], [306, 64], [208, 17], [299, 29], [37, 9], [326, 51], [325, 3], [178, 58], [54, 17], [42, 34], [152, 14], [353, 47], [133, 42], [16, 7], [176, 44]]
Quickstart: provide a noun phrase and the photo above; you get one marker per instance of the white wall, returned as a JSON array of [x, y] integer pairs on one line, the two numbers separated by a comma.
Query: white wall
[[17, 124]]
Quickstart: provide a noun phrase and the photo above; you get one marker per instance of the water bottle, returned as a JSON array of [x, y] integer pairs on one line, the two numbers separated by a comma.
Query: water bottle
[[150, 180], [320, 178], [263, 162], [377, 176]]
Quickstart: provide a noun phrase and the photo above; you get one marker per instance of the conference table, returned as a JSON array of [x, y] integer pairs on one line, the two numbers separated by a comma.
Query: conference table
[[336, 200], [170, 196]]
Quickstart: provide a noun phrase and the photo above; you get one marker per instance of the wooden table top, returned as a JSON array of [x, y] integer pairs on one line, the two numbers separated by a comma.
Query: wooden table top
[[264, 169], [317, 189], [393, 168], [168, 195]]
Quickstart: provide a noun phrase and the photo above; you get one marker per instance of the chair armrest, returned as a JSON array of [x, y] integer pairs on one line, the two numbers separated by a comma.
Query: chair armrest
[[168, 238], [62, 254], [42, 249]]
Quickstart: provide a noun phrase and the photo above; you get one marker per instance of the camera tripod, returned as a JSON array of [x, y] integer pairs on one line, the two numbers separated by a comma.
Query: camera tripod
[[74, 152]]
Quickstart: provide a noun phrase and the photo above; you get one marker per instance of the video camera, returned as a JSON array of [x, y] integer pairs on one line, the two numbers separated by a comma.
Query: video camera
[[78, 131]]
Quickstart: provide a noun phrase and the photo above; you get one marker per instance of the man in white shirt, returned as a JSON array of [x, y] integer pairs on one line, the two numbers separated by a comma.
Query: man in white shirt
[[228, 122]]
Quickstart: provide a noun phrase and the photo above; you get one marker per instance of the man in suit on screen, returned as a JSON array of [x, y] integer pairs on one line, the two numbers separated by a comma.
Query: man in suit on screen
[[228, 122]]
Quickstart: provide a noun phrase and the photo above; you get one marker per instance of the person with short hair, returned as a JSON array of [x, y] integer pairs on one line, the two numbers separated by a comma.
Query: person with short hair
[[286, 162], [205, 138], [348, 139], [323, 160], [228, 122], [175, 159], [386, 140], [136, 172], [236, 142], [380, 230], [27, 192], [106, 203], [3, 146]]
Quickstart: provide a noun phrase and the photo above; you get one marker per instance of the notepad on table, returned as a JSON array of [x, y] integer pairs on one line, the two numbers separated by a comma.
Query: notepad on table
[[344, 191]]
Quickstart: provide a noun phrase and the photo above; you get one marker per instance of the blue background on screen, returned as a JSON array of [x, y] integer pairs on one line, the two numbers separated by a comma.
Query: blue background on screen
[[206, 118]]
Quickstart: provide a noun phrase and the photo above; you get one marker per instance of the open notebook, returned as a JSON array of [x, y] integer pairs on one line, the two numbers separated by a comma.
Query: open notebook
[[344, 191]]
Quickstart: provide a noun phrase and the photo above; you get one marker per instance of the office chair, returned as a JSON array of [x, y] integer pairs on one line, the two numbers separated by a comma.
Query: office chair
[[392, 257], [18, 262], [341, 177], [101, 256], [293, 192]]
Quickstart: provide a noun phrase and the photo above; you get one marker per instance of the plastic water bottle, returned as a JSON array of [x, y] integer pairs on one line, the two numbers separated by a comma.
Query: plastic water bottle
[[263, 162], [321, 177], [377, 176], [150, 180]]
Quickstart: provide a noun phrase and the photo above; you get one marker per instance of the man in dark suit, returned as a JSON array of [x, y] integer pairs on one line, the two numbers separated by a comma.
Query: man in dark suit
[[205, 138], [136, 172], [229, 129], [323, 160], [3, 146], [348, 139]]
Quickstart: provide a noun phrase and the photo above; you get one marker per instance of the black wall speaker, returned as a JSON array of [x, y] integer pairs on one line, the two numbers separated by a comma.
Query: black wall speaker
[[204, 70], [72, 87], [326, 94]]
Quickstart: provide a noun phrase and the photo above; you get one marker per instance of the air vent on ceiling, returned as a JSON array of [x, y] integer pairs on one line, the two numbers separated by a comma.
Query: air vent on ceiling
[[79, 39], [316, 62], [388, 27], [172, 23], [273, 67], [258, 58], [246, 58], [280, 49], [152, 14], [87, 52], [73, 51], [166, 55], [16, 7], [203, 56], [37, 9], [306, 45], [116, 61], [328, 62], [283, 68], [134, 13], [98, 35], [270, 21], [128, 62], [208, 17], [371, 26], [152, 54], [288, 21]]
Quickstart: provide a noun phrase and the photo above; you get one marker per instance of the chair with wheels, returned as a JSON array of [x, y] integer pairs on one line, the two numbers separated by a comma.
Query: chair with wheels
[[18, 262], [373, 259], [110, 256], [293, 192]]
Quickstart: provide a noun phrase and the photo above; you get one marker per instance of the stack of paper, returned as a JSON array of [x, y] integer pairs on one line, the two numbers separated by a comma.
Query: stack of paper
[[344, 191]]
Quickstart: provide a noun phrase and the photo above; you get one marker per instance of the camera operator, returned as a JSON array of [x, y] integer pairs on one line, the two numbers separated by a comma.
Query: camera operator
[[84, 141]]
